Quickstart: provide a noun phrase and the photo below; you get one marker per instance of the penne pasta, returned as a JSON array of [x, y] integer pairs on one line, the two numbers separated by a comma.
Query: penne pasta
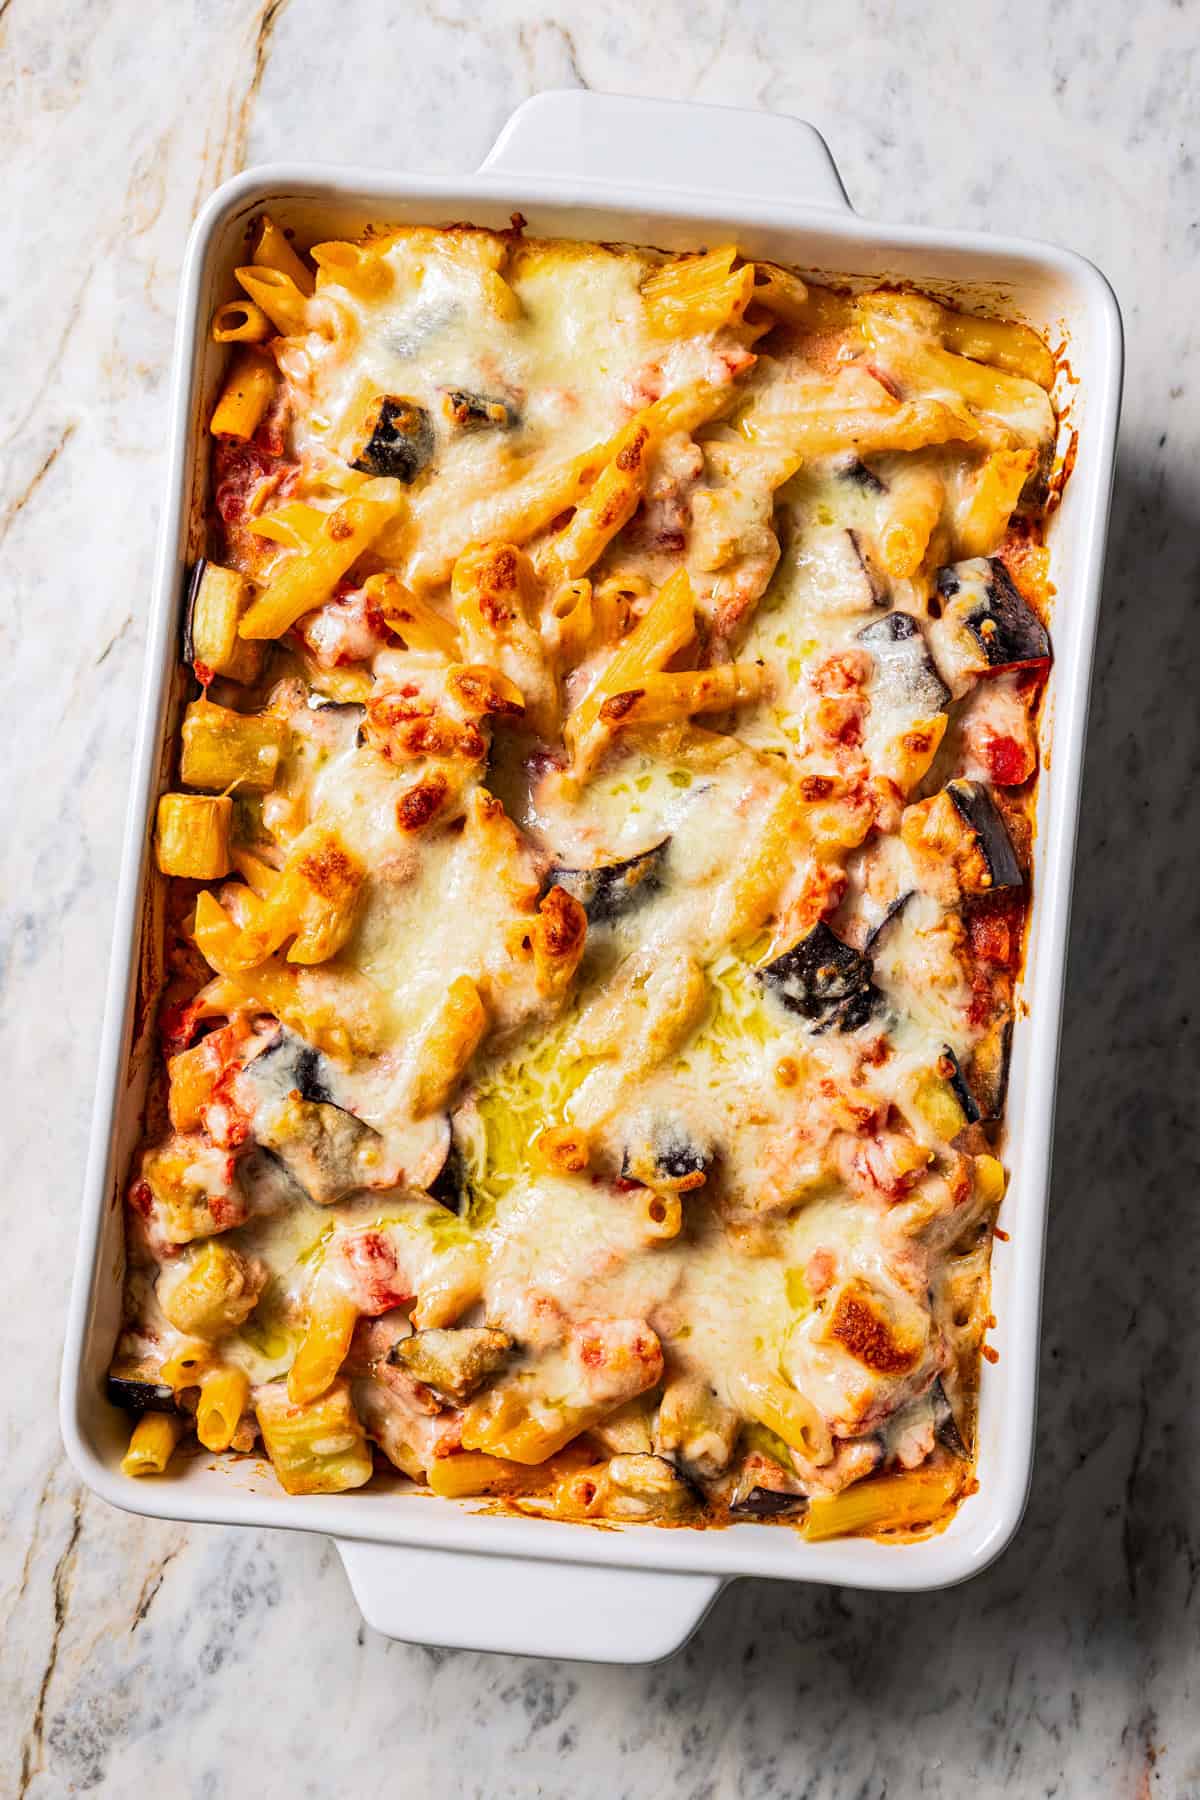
[[415, 620], [699, 293], [272, 249], [277, 295], [241, 322], [306, 580], [248, 392], [983, 519], [448, 1046], [914, 507], [332, 1317], [665, 628], [909, 1501], [224, 1397], [152, 1444], [659, 699]]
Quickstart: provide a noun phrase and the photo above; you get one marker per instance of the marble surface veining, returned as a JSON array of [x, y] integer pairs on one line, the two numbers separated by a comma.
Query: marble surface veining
[[150, 1658]]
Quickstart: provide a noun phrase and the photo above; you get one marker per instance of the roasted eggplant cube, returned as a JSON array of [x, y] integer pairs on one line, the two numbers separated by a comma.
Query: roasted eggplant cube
[[895, 909], [825, 981], [325, 1150], [288, 1062], [986, 622], [952, 1070], [399, 442], [975, 806], [477, 412], [133, 1394], [612, 889], [945, 1425], [453, 1362], [988, 1070], [667, 1156], [766, 1503], [904, 668]]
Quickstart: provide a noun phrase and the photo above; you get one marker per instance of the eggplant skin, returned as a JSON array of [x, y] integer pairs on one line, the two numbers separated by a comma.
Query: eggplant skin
[[857, 473], [945, 1425], [612, 889], [904, 663], [1004, 625], [451, 1186], [767, 1503], [401, 441], [962, 1092], [894, 910], [825, 981], [975, 806], [988, 1071], [667, 1155], [290, 1056], [134, 1396], [479, 412], [189, 609]]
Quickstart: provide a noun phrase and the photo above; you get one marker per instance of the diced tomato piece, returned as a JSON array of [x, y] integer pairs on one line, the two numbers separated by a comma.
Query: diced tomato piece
[[1008, 762]]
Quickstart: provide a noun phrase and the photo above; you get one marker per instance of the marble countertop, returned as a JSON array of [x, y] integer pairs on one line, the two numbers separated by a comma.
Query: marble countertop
[[144, 1657]]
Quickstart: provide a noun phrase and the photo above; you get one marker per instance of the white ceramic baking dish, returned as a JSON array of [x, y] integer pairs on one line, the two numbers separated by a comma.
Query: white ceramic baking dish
[[678, 176]]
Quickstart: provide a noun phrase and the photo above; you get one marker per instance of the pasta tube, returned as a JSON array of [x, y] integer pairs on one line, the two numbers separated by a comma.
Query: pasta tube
[[273, 250], [324, 1347], [885, 1502], [448, 1047], [152, 1444], [223, 1398], [307, 580], [240, 322], [279, 297], [659, 699], [665, 628], [248, 392]]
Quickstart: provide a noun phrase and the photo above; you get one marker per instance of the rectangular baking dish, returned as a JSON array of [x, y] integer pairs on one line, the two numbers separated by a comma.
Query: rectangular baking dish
[[677, 176]]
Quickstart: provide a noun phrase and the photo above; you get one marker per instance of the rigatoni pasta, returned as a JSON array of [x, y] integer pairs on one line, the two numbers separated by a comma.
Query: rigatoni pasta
[[595, 876]]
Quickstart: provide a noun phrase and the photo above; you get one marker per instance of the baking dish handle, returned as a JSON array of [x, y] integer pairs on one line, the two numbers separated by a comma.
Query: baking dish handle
[[722, 151], [466, 1601]]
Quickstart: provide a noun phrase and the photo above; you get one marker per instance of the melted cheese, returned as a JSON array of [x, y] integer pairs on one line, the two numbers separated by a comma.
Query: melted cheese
[[816, 1183]]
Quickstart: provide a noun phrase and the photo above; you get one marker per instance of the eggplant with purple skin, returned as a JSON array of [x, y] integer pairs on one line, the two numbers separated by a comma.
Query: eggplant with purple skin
[[400, 440], [133, 1394], [613, 889], [988, 1069], [478, 412], [945, 1425], [451, 1186], [832, 575], [984, 625], [974, 805], [765, 1489], [904, 671], [825, 981], [766, 1503], [953, 1075], [288, 1062], [666, 1155], [891, 914], [856, 472], [323, 1146]]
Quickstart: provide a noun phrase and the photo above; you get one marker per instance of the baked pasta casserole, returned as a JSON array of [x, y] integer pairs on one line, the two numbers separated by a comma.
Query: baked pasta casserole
[[593, 885]]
